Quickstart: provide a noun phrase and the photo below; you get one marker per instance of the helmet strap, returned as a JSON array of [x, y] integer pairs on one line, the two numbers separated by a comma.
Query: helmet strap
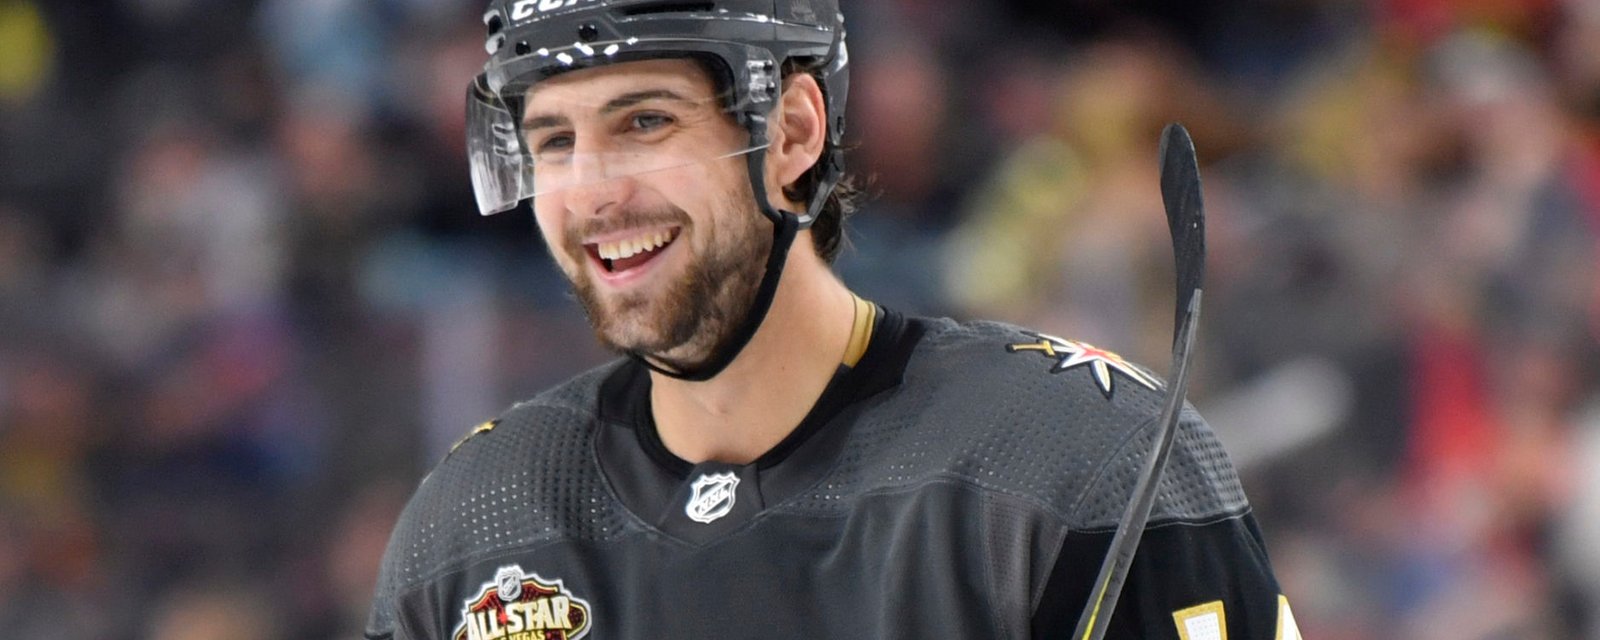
[[785, 226]]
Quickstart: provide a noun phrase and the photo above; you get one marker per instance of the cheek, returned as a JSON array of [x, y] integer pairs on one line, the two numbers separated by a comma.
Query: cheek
[[705, 191], [547, 212], [549, 215]]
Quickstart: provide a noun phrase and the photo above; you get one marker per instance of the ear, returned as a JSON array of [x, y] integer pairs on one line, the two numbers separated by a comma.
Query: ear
[[798, 131]]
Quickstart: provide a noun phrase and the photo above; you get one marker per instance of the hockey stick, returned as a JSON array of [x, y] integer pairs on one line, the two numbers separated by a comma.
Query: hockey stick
[[1180, 192]]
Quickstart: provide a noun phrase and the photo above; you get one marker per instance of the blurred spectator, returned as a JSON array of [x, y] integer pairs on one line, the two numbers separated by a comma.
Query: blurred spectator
[[201, 611], [1068, 235], [26, 52], [900, 104]]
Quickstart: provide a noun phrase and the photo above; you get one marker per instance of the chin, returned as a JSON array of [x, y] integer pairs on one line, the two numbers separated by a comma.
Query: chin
[[634, 332], [646, 338]]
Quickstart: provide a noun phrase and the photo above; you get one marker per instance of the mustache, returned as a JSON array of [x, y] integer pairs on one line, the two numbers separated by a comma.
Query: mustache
[[627, 219]]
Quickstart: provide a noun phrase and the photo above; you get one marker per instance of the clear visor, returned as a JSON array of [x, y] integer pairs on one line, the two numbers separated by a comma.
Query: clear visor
[[560, 140]]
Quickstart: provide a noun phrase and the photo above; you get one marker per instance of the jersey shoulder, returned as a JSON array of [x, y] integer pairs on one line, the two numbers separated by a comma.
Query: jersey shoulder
[[549, 428], [1005, 359], [1052, 420], [519, 480]]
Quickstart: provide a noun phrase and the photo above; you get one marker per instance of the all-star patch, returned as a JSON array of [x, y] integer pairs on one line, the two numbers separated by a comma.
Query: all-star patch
[[1071, 353], [522, 606]]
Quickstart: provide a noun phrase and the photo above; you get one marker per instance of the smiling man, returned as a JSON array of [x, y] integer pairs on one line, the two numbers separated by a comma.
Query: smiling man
[[774, 457], [623, 154]]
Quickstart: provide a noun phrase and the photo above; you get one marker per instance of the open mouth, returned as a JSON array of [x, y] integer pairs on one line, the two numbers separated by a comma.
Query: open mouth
[[619, 256]]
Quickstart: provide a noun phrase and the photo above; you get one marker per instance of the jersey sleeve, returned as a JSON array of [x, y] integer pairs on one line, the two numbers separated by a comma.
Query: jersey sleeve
[[1188, 581], [385, 617], [1201, 571], [405, 606]]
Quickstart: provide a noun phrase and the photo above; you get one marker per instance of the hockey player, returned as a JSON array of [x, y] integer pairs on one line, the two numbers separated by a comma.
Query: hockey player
[[776, 457]]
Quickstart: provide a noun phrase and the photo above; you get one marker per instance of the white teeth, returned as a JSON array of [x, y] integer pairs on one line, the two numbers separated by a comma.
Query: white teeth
[[633, 246]]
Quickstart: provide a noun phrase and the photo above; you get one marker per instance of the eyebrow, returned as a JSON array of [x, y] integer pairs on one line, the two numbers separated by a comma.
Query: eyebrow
[[615, 104]]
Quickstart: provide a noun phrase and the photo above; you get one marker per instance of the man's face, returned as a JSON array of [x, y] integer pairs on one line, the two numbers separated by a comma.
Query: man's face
[[654, 226]]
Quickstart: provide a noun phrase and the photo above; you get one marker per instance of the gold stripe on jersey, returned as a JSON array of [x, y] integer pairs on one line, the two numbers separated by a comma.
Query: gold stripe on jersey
[[861, 333]]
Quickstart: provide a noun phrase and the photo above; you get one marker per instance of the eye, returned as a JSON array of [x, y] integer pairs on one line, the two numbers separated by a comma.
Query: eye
[[649, 121], [552, 146]]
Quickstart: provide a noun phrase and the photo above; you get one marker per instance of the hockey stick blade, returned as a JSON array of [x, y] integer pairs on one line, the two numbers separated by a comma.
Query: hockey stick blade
[[1180, 192], [1186, 217]]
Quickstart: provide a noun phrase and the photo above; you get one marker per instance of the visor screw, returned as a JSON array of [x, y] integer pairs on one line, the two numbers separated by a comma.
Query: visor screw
[[588, 32]]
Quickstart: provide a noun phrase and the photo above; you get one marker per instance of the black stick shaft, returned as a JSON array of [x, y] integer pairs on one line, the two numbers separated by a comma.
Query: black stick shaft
[[1180, 192], [1114, 570]]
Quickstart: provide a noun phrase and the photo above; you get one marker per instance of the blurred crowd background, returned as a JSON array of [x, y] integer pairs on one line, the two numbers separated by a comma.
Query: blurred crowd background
[[246, 300]]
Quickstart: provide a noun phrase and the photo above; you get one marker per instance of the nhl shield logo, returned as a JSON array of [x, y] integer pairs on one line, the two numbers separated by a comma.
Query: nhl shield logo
[[508, 583], [711, 497]]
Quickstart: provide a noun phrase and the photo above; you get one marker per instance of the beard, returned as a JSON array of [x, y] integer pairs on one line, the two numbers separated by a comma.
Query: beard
[[685, 320]]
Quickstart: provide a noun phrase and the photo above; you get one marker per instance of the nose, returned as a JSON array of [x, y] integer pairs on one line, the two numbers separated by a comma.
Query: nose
[[594, 192]]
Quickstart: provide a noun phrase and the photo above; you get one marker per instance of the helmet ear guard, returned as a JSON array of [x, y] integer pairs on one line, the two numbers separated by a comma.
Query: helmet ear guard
[[834, 79]]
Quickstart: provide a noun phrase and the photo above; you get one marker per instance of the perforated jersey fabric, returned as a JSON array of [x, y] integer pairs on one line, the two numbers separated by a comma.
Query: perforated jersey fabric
[[972, 411], [954, 486]]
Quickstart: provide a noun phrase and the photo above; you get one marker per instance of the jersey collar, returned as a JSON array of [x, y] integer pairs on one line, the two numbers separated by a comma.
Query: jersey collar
[[652, 482]]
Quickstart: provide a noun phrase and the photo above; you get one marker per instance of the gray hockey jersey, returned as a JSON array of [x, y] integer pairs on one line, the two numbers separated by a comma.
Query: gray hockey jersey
[[961, 481]]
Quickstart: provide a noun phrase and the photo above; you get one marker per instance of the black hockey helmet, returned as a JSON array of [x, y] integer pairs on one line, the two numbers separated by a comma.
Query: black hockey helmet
[[747, 41]]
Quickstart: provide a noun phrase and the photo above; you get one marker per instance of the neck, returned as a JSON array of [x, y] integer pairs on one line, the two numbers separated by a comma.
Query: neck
[[770, 387]]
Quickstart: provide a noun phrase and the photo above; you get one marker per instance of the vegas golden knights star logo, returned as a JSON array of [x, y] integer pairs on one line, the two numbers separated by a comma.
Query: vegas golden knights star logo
[[523, 606], [1070, 354]]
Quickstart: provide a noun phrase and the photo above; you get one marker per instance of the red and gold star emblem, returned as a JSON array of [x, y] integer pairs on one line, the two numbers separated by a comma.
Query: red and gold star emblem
[[1071, 353]]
